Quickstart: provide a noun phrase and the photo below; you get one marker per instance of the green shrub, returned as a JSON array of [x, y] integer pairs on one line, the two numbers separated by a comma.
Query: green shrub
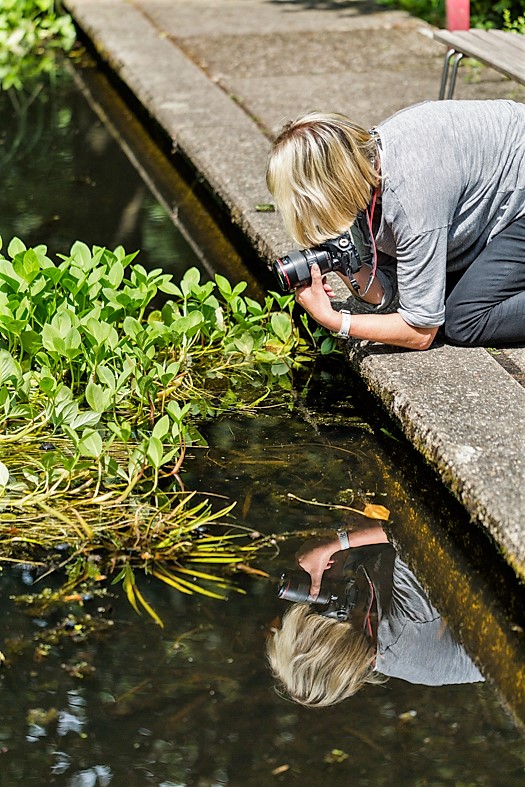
[[504, 14], [31, 33]]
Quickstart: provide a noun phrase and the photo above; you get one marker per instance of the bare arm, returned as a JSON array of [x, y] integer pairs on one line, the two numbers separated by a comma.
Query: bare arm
[[317, 559], [385, 328]]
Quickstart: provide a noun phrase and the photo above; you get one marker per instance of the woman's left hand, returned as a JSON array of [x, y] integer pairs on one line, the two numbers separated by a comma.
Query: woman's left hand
[[316, 560], [315, 299]]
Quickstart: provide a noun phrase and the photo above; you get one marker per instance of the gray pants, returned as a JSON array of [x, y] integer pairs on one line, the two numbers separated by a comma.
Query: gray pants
[[486, 306]]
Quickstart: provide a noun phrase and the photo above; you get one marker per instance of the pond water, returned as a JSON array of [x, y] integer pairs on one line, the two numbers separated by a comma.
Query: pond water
[[93, 694]]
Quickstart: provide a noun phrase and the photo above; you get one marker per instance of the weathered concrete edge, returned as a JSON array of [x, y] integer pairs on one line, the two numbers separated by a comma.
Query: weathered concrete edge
[[461, 425], [181, 99], [224, 145]]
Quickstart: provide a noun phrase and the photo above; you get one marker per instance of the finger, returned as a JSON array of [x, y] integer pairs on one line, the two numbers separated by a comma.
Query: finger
[[315, 272]]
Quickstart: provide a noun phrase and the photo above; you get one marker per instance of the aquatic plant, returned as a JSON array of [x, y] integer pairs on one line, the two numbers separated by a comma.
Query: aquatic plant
[[103, 387], [31, 33]]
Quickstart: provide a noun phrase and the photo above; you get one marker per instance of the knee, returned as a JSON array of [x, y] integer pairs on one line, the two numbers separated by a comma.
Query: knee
[[465, 330], [456, 334]]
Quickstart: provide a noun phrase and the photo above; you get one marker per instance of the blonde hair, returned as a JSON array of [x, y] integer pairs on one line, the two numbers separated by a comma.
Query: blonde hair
[[320, 172], [320, 661]]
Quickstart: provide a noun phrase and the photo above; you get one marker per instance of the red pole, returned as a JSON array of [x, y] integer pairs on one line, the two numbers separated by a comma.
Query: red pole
[[458, 14]]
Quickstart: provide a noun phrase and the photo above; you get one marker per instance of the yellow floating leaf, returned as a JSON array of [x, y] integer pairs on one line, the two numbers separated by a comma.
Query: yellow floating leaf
[[184, 585], [171, 581], [374, 511], [149, 609], [280, 769], [129, 587]]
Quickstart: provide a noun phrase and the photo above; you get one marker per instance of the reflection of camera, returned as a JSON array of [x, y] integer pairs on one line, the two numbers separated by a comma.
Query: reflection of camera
[[344, 254], [336, 599]]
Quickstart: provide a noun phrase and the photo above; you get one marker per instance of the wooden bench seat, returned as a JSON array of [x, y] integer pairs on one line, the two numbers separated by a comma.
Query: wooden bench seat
[[504, 51]]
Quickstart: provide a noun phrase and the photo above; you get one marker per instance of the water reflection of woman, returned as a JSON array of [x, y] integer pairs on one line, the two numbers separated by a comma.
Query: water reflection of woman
[[392, 631]]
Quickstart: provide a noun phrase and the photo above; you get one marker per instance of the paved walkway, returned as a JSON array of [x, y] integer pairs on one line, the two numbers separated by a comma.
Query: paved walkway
[[221, 76]]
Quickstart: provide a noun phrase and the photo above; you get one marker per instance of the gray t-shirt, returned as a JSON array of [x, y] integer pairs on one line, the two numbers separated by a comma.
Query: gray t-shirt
[[453, 178], [413, 641]]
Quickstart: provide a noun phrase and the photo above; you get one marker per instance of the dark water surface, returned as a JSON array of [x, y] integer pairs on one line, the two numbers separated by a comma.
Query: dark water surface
[[93, 694]]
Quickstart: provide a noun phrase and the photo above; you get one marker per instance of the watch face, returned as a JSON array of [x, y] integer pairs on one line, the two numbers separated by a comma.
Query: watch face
[[345, 325]]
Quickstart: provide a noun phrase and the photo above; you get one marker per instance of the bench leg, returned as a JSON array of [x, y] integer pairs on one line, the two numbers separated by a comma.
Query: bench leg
[[456, 57]]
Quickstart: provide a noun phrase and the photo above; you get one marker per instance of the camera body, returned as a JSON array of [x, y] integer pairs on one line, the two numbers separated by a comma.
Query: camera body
[[336, 599]]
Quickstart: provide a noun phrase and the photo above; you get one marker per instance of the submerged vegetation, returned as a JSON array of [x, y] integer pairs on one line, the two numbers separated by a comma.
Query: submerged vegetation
[[106, 373]]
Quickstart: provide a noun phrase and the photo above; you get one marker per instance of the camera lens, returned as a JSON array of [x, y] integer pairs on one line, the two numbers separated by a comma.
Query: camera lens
[[279, 270], [294, 269], [293, 587]]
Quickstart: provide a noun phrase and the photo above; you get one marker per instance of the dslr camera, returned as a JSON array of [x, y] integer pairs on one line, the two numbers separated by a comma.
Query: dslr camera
[[336, 599], [345, 254]]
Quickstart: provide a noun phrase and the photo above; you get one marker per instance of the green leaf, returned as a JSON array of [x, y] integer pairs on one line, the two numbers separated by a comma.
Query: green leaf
[[4, 475], [162, 427], [122, 430], [279, 369], [115, 274], [98, 329], [97, 397], [244, 343], [27, 266], [189, 325], [80, 251], [328, 345], [155, 451], [31, 341], [240, 287], [85, 418], [10, 370], [107, 377], [15, 247], [90, 444], [132, 327], [8, 274], [190, 280], [223, 284], [281, 326]]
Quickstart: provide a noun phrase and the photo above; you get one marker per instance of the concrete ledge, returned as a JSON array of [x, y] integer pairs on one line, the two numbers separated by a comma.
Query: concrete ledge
[[466, 415]]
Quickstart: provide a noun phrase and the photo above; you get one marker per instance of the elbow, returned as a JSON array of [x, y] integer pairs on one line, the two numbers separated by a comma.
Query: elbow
[[423, 343], [423, 338]]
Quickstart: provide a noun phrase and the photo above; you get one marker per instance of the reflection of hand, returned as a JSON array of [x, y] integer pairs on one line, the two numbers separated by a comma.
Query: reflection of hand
[[316, 559]]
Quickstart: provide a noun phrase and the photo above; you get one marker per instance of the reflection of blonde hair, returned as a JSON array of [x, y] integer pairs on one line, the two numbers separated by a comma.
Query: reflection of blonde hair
[[320, 661], [320, 172]]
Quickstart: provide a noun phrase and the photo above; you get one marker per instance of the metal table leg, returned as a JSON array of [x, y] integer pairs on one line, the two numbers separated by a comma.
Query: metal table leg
[[454, 57]]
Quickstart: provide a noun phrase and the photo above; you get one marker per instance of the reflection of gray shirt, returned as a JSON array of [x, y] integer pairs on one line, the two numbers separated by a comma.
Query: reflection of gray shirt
[[453, 177], [413, 642]]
